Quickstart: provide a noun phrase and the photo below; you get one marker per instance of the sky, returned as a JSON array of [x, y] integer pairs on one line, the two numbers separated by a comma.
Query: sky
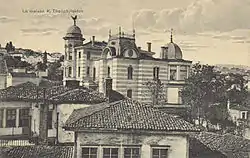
[[207, 31]]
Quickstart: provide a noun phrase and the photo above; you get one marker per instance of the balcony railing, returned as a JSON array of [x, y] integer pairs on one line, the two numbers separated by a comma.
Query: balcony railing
[[13, 142]]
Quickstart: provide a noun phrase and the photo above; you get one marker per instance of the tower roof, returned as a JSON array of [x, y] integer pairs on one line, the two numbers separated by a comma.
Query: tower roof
[[74, 31], [174, 51]]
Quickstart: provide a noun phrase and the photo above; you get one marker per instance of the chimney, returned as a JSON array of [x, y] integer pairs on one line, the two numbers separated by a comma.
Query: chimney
[[93, 40], [149, 46], [139, 48], [108, 88]]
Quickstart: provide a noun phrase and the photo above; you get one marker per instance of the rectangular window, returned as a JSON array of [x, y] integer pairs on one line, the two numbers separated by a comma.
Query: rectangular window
[[129, 93], [79, 71], [87, 71], [1, 118], [94, 73], [132, 153], [79, 55], [70, 55], [50, 119], [243, 115], [24, 118], [159, 152], [173, 73], [156, 72], [183, 72], [70, 72], [11, 118], [110, 153], [89, 152], [88, 55]]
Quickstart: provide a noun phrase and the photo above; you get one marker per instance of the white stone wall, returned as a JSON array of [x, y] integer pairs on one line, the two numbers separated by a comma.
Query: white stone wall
[[65, 111]]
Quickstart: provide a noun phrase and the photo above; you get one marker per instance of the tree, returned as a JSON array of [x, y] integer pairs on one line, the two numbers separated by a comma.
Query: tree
[[41, 66], [205, 87], [45, 57], [9, 47], [155, 89], [54, 72]]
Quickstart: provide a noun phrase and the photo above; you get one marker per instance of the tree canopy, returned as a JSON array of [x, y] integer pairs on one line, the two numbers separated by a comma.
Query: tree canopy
[[205, 87]]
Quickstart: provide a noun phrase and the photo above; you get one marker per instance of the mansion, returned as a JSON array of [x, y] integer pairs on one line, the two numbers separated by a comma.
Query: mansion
[[123, 66]]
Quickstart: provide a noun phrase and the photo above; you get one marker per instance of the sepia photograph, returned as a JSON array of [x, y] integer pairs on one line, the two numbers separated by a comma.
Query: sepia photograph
[[125, 79]]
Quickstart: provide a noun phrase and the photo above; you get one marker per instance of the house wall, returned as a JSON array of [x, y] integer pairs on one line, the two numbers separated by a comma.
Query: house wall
[[65, 111], [19, 80], [5, 80], [4, 131], [177, 145]]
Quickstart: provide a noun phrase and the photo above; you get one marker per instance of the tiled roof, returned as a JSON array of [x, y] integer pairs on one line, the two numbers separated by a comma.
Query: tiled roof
[[56, 94], [79, 95], [124, 115], [230, 145], [38, 152], [97, 44], [3, 67]]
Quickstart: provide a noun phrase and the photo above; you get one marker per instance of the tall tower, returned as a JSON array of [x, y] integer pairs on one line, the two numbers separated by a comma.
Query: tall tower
[[72, 39]]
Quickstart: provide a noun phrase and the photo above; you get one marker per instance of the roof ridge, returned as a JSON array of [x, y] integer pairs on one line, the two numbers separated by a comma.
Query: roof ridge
[[107, 105], [64, 93]]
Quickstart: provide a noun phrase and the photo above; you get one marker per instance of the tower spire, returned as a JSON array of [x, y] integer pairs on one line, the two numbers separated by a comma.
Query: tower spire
[[171, 35], [133, 25], [74, 19]]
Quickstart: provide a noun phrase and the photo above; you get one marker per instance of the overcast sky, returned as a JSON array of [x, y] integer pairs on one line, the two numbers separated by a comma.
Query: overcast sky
[[210, 31]]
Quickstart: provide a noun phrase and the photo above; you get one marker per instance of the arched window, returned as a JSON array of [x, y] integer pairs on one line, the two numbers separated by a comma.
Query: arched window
[[108, 71], [130, 72], [129, 93]]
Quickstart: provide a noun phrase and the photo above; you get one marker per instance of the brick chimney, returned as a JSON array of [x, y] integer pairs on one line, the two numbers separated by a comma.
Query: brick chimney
[[149, 46], [108, 88], [93, 40]]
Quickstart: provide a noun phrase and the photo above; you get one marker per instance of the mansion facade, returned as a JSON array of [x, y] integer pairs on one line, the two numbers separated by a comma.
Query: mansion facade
[[127, 66]]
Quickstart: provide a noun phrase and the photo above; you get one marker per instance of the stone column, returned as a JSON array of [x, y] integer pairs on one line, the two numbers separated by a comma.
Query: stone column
[[4, 118], [17, 117]]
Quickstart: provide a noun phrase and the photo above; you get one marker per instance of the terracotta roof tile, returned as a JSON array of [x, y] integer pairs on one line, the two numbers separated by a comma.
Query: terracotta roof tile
[[230, 145], [127, 114], [56, 94], [38, 152]]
